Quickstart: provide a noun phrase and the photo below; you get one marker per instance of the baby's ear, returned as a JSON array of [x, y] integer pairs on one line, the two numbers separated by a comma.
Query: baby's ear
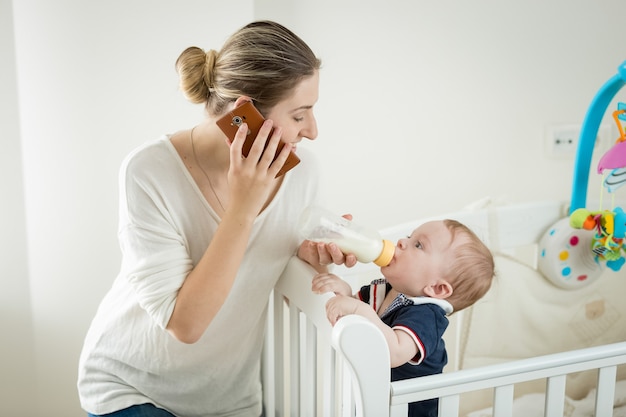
[[440, 289]]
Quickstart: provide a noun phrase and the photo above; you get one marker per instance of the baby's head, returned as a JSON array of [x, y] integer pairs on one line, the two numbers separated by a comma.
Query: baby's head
[[471, 269], [442, 259]]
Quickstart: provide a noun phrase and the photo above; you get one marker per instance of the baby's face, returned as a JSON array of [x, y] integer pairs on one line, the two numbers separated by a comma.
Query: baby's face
[[420, 259]]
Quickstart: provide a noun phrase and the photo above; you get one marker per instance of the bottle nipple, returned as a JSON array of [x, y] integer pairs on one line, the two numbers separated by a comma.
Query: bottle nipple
[[386, 255]]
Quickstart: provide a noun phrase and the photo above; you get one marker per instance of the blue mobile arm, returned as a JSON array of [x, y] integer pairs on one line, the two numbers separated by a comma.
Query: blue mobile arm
[[588, 135]]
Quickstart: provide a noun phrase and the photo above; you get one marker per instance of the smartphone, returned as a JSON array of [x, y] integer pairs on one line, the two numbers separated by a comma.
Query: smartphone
[[247, 113]]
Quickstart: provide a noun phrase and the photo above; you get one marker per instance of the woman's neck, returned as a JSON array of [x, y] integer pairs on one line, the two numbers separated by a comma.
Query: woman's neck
[[211, 146]]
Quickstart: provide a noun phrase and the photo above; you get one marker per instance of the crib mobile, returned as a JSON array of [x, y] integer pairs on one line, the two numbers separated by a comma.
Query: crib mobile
[[577, 249]]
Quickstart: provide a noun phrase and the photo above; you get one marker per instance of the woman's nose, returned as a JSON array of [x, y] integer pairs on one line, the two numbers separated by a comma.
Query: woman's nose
[[310, 130]]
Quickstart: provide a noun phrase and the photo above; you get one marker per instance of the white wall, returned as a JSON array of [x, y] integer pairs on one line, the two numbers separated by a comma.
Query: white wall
[[450, 99], [424, 107], [17, 373]]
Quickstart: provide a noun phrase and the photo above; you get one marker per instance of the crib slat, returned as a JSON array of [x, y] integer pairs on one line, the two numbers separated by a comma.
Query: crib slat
[[449, 406], [606, 391], [279, 354], [347, 398], [555, 396], [503, 401], [309, 363], [267, 365], [400, 410], [325, 383], [294, 360]]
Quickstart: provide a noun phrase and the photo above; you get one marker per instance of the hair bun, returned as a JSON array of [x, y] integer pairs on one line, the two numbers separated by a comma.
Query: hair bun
[[192, 66], [209, 68]]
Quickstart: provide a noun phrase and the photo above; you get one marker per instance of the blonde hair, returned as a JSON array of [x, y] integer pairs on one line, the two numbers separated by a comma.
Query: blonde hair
[[472, 268], [263, 60]]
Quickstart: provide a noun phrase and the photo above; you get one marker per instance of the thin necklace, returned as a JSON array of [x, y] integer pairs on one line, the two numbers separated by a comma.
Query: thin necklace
[[195, 158]]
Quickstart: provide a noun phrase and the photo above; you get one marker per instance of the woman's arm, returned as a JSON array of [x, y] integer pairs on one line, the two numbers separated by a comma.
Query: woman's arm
[[251, 180]]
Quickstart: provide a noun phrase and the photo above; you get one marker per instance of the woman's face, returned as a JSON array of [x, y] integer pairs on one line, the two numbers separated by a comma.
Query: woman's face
[[294, 115]]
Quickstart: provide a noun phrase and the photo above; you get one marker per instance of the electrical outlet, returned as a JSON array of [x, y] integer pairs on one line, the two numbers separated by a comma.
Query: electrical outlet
[[562, 140]]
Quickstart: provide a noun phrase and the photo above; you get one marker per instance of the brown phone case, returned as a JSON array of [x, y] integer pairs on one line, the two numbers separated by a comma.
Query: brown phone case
[[247, 113]]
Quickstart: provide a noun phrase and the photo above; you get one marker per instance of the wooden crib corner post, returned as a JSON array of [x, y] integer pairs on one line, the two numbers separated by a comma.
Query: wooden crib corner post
[[365, 350]]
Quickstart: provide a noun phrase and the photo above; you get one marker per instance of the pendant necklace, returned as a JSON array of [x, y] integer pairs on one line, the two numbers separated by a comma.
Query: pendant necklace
[[195, 158]]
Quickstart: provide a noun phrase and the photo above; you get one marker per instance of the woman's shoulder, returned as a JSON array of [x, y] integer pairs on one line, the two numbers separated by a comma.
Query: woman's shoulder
[[149, 148], [153, 151]]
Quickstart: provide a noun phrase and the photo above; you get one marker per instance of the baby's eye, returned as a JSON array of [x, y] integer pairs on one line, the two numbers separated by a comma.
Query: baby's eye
[[418, 244]]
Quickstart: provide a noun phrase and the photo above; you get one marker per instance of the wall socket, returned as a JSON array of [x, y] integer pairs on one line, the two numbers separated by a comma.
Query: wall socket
[[562, 140]]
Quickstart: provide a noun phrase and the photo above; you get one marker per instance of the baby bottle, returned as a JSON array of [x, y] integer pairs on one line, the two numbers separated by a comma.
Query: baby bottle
[[320, 225]]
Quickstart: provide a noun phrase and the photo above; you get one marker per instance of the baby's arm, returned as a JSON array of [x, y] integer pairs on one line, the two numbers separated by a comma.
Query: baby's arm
[[402, 347]]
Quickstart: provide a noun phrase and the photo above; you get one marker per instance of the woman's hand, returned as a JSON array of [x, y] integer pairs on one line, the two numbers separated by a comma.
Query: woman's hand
[[252, 178], [323, 283], [319, 255]]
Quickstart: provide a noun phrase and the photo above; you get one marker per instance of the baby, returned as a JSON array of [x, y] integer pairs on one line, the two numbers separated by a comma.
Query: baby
[[441, 268]]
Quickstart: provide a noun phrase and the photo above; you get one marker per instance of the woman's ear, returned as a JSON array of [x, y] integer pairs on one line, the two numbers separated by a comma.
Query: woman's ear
[[241, 100], [440, 289]]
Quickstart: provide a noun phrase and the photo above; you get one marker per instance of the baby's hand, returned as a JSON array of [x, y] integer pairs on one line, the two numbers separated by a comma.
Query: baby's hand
[[340, 306], [327, 282]]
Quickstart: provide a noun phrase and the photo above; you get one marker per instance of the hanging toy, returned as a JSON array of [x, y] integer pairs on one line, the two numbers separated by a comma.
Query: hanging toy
[[608, 243], [615, 158], [577, 249], [565, 258]]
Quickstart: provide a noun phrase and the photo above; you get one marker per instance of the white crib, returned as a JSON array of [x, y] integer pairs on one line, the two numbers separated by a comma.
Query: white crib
[[312, 369], [527, 348]]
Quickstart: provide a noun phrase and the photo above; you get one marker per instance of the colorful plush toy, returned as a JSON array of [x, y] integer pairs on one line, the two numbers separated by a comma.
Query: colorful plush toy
[[608, 243]]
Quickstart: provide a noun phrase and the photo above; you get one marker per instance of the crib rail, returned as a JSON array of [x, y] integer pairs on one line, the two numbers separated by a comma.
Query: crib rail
[[448, 386]]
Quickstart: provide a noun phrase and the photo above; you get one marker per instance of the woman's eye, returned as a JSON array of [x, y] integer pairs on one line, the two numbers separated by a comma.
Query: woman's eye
[[298, 119]]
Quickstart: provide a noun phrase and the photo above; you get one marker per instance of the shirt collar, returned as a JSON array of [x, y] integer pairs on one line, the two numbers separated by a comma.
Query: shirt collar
[[403, 300]]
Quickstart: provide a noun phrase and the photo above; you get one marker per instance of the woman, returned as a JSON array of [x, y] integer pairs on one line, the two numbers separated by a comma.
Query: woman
[[205, 234]]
